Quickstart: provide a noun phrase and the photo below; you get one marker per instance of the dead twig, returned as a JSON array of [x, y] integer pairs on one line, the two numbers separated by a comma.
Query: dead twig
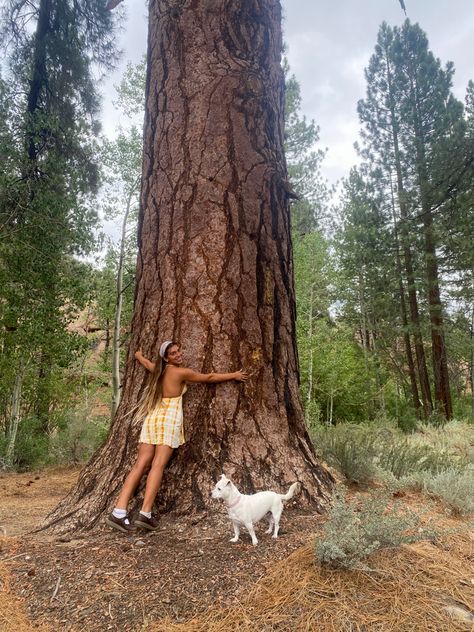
[[55, 592]]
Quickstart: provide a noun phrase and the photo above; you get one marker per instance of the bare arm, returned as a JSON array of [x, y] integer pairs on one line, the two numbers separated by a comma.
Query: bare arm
[[148, 364], [188, 375]]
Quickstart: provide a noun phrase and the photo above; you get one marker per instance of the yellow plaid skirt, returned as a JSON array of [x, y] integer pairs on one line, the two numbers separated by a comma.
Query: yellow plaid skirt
[[164, 426]]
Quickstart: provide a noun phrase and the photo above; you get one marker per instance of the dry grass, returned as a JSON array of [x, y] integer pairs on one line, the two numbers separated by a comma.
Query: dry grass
[[13, 616], [408, 589]]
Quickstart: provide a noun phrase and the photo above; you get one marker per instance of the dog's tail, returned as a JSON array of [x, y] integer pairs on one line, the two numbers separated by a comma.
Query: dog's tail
[[290, 492]]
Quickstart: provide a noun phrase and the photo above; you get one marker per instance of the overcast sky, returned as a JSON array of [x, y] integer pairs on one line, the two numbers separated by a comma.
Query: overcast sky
[[329, 45]]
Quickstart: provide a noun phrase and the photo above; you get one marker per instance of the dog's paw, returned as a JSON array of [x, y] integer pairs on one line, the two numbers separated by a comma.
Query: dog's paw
[[268, 531], [234, 539], [255, 542]]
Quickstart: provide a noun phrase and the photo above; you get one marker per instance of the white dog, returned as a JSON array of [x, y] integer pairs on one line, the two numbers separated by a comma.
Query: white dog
[[246, 510]]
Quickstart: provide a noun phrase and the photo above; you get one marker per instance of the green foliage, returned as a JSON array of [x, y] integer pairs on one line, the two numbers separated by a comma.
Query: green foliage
[[365, 452], [348, 448], [355, 530], [31, 446], [304, 160], [50, 174], [453, 487], [79, 437], [400, 456]]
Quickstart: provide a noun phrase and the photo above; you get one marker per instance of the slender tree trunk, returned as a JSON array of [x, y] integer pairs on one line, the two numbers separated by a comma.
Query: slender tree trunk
[[38, 78], [438, 346], [407, 256], [14, 416], [472, 360], [378, 379], [214, 266], [42, 402], [118, 311], [309, 394], [403, 312], [107, 335], [365, 340]]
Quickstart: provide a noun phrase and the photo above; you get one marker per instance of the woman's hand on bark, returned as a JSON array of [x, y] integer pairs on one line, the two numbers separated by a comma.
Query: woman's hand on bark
[[241, 376]]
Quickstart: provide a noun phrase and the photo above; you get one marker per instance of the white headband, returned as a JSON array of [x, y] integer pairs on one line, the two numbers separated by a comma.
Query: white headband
[[163, 348]]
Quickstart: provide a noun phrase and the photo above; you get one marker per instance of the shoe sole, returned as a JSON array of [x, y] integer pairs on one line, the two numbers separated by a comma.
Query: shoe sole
[[116, 526], [144, 525]]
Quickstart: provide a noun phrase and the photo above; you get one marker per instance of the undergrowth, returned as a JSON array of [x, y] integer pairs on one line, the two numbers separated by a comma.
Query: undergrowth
[[437, 461], [356, 529]]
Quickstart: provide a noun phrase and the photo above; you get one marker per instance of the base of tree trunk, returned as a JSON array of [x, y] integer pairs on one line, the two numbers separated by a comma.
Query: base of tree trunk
[[273, 463]]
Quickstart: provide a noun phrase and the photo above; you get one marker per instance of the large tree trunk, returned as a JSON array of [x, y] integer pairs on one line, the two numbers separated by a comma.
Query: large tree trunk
[[214, 266]]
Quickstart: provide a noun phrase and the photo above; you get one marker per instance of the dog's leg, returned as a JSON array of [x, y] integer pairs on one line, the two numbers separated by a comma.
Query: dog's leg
[[236, 531], [276, 513], [250, 529], [270, 524]]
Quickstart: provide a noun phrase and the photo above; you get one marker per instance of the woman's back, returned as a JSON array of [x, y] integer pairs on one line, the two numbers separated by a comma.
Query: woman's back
[[171, 381]]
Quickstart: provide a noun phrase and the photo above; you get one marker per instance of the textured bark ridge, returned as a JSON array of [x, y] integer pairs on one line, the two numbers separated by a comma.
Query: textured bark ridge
[[215, 266]]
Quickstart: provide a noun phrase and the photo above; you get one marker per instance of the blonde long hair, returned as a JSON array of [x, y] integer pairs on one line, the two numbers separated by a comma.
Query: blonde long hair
[[153, 393]]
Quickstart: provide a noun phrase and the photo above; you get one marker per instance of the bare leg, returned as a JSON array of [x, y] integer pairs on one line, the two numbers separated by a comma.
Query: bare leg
[[162, 456], [145, 457]]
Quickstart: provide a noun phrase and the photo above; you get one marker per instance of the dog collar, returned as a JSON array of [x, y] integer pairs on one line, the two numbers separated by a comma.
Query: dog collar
[[236, 502]]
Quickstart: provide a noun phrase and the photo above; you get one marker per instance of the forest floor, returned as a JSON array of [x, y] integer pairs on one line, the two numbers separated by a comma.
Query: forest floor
[[188, 576]]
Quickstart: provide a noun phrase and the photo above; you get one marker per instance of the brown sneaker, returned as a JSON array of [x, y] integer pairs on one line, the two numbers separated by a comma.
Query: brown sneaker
[[143, 522], [121, 524]]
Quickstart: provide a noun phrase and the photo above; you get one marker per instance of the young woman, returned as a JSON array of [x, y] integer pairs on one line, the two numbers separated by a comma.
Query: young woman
[[162, 430]]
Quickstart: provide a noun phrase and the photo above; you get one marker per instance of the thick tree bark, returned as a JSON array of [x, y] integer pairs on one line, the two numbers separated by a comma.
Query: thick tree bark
[[214, 268]]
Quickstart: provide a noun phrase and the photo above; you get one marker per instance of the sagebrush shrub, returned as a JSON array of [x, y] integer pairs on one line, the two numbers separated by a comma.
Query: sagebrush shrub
[[400, 456], [453, 487], [355, 530], [348, 448]]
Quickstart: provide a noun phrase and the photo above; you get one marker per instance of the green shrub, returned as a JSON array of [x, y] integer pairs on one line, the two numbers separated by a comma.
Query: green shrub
[[353, 531], [408, 422], [31, 445], [400, 456], [348, 448], [313, 414], [453, 487], [78, 437]]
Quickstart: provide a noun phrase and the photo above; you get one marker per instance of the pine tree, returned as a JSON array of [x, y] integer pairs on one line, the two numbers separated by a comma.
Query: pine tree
[[381, 117], [215, 266], [46, 211], [430, 115], [308, 210]]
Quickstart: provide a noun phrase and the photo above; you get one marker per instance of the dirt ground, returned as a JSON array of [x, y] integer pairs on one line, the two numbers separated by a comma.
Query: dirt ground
[[111, 581]]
